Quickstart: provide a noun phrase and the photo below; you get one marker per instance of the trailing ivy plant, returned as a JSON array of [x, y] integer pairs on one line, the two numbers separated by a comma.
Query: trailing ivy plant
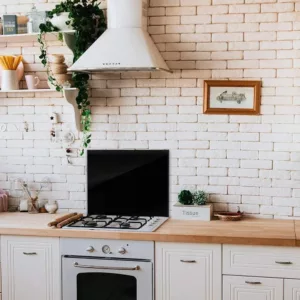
[[88, 21], [44, 28]]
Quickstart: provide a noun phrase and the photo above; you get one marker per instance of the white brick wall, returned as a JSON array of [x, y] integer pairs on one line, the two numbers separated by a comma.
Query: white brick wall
[[250, 161]]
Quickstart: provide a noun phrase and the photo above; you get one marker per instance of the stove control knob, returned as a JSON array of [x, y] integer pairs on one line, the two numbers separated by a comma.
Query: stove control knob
[[90, 249], [122, 250]]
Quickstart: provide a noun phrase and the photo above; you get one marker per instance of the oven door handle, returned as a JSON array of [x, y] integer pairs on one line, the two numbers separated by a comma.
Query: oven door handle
[[77, 265]]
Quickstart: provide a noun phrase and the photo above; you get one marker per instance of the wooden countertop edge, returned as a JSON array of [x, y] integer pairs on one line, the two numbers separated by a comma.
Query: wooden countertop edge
[[152, 236], [247, 232]]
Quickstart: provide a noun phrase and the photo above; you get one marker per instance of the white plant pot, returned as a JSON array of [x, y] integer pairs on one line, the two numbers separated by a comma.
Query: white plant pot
[[9, 80], [60, 20], [192, 212]]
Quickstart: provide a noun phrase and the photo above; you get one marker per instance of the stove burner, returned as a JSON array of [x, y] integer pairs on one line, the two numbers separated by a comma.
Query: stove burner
[[125, 225], [101, 217], [89, 223]]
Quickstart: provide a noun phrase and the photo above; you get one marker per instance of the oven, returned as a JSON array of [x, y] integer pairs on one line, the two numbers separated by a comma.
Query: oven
[[106, 270]]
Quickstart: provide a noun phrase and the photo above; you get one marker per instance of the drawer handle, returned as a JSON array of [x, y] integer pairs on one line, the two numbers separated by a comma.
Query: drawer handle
[[283, 262], [188, 261], [253, 282], [29, 253]]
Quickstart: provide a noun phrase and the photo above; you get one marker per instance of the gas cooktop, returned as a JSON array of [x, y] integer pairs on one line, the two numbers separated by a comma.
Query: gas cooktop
[[118, 223]]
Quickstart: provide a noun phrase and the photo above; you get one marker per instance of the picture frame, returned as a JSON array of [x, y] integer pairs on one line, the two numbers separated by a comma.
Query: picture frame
[[232, 97]]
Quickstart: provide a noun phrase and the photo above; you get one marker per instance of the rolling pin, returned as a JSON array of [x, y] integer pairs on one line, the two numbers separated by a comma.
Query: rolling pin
[[68, 221], [60, 219]]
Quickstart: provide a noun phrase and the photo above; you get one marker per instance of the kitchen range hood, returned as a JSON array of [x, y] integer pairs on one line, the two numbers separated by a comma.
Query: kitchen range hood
[[125, 45]]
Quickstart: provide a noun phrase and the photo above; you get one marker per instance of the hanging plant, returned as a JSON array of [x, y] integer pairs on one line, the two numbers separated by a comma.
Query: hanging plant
[[88, 21], [44, 28]]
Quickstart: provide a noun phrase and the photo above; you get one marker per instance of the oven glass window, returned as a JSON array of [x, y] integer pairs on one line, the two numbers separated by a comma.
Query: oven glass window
[[106, 286]]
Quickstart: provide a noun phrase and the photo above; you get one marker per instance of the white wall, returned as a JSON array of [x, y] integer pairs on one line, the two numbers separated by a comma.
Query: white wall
[[250, 161]]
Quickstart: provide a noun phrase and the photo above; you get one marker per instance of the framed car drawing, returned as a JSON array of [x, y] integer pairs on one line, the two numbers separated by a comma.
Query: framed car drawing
[[231, 97]]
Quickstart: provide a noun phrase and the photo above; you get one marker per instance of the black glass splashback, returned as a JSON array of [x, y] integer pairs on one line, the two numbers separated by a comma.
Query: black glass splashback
[[128, 182]]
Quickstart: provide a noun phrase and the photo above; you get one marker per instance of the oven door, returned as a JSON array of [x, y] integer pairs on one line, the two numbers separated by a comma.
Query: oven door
[[106, 279]]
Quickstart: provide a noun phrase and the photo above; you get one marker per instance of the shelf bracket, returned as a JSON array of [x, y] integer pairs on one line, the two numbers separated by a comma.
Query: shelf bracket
[[69, 38], [70, 95]]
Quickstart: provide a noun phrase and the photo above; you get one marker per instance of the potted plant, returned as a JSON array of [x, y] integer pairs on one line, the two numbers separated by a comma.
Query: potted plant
[[200, 198], [185, 197], [89, 22], [193, 206]]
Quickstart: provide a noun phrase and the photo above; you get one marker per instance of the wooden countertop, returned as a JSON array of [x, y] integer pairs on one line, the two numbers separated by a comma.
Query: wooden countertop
[[297, 232], [246, 232]]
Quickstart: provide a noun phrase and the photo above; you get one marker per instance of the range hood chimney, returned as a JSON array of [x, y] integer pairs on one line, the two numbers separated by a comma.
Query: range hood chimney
[[125, 45]]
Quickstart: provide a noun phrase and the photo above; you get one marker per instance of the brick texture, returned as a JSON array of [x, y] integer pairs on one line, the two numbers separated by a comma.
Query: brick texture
[[250, 161]]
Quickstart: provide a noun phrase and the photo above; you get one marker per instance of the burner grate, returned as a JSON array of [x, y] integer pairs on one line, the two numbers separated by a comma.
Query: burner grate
[[111, 222]]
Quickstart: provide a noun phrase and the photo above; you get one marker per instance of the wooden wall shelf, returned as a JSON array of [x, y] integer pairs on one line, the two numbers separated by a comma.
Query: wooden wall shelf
[[70, 94], [30, 91], [32, 37], [29, 36]]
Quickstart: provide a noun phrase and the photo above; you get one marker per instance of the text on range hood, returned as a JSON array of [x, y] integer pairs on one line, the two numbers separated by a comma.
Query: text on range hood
[[125, 45]]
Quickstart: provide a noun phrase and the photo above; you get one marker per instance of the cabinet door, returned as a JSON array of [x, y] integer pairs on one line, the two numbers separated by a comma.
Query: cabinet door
[[30, 268], [188, 271], [291, 289], [252, 288]]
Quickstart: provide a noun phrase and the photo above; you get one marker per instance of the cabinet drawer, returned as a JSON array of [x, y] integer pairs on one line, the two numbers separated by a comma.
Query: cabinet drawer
[[261, 261], [256, 288]]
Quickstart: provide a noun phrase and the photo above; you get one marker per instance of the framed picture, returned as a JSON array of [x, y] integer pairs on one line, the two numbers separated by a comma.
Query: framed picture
[[231, 97]]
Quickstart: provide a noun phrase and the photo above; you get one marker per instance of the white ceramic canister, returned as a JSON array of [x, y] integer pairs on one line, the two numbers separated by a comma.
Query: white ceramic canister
[[9, 80]]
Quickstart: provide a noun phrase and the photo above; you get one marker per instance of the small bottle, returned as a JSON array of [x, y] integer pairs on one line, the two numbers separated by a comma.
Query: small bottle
[[30, 26]]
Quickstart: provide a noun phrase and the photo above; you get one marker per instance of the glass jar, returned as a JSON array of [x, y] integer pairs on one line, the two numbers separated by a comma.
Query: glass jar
[[33, 206], [37, 18], [1, 26]]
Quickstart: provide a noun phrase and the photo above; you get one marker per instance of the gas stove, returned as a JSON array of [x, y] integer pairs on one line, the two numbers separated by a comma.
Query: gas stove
[[118, 223]]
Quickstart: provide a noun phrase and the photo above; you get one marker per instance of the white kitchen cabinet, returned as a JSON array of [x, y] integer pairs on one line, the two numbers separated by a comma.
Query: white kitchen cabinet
[[30, 268], [188, 271], [252, 288], [265, 261], [291, 289]]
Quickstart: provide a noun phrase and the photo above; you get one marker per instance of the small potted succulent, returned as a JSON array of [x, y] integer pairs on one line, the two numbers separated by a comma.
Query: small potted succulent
[[200, 198], [193, 206], [185, 197]]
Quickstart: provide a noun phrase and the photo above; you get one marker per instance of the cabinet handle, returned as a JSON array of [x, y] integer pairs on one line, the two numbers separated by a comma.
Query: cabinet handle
[[283, 262], [188, 261], [253, 282], [29, 253]]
